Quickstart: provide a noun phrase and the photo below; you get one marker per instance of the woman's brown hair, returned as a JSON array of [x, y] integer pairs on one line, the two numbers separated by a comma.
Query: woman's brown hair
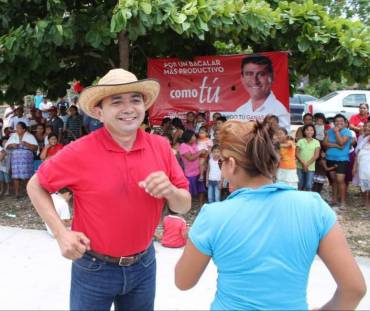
[[250, 144]]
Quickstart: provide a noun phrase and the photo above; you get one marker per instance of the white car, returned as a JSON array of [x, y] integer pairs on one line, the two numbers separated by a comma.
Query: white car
[[344, 102]]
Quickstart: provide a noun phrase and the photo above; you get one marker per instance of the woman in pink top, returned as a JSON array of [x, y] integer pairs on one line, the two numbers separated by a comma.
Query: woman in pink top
[[190, 154]]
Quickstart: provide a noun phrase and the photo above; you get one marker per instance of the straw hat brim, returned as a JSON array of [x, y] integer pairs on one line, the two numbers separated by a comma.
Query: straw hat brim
[[91, 96]]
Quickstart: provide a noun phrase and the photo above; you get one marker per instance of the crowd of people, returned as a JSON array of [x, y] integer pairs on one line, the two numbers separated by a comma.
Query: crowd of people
[[320, 151], [32, 136], [334, 151]]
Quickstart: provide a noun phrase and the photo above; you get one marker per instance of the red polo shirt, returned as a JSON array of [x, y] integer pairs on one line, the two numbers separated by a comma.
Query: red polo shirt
[[110, 208]]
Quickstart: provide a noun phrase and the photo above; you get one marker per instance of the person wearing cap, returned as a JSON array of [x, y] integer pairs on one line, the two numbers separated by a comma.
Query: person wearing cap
[[120, 177]]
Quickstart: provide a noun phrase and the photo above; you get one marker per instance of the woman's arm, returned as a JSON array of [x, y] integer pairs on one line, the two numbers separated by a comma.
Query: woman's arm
[[297, 150], [327, 144], [192, 156], [190, 267], [29, 146], [12, 146], [337, 256], [340, 139]]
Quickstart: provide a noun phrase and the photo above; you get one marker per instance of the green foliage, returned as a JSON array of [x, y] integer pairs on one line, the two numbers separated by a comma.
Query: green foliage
[[48, 43]]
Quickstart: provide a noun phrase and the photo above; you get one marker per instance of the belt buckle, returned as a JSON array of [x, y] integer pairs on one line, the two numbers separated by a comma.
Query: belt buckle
[[126, 261]]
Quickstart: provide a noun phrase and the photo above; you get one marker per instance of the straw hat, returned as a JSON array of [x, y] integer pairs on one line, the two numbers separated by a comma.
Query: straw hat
[[117, 81]]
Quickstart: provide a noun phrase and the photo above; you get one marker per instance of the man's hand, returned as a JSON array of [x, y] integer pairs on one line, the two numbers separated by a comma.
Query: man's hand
[[73, 244], [158, 185]]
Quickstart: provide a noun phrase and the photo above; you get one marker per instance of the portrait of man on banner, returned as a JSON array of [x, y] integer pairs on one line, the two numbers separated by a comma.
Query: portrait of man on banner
[[257, 76]]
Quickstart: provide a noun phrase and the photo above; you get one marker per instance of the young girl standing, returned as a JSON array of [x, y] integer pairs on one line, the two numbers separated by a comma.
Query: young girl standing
[[321, 172], [214, 179], [287, 171], [308, 151], [51, 148], [204, 144]]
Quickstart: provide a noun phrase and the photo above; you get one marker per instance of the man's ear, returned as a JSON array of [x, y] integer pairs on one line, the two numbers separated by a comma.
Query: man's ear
[[99, 113]]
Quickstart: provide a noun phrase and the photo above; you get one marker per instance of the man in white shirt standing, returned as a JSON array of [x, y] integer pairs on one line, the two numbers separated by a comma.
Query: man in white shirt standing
[[257, 77], [19, 117], [45, 107]]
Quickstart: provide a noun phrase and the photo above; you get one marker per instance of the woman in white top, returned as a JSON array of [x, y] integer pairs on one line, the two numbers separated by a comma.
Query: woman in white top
[[21, 145]]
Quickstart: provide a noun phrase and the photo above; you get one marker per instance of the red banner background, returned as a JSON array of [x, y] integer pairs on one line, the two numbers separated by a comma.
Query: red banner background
[[208, 83]]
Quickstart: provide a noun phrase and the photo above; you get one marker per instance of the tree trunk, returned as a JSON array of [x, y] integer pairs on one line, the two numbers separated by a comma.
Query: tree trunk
[[124, 55]]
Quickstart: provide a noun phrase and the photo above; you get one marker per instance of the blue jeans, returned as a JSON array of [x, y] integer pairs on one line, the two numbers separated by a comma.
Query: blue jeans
[[305, 179], [95, 284], [214, 193]]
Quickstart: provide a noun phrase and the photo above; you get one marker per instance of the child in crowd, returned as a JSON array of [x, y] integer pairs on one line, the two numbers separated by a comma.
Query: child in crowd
[[321, 171], [307, 119], [175, 231], [7, 132], [215, 128], [175, 146], [214, 179], [308, 151], [4, 170], [51, 148], [200, 122], [61, 203], [287, 171], [203, 143], [320, 121], [273, 122]]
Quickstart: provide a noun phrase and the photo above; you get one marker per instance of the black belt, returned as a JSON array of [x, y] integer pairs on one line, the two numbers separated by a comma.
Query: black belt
[[120, 261]]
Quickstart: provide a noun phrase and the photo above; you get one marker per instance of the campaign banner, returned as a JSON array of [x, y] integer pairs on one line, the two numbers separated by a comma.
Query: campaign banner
[[244, 87]]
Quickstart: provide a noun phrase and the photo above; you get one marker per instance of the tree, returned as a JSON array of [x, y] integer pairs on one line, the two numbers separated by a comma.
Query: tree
[[48, 43]]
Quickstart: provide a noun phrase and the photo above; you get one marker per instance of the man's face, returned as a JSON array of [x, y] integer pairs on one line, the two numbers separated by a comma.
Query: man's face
[[122, 113], [256, 80], [53, 113], [19, 112]]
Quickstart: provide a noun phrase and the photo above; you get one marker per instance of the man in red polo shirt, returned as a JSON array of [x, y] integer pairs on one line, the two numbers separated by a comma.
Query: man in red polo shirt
[[120, 177]]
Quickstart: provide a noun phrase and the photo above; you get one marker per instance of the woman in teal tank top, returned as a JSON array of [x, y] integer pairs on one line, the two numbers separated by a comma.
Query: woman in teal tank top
[[264, 237]]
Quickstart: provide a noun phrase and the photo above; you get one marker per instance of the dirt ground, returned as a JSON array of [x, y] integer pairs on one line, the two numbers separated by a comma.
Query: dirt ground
[[355, 220]]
